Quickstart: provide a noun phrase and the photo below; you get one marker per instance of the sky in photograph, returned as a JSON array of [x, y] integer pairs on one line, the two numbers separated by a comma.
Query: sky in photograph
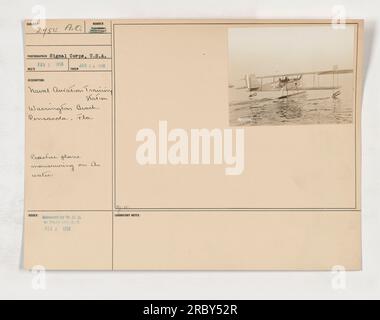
[[267, 50]]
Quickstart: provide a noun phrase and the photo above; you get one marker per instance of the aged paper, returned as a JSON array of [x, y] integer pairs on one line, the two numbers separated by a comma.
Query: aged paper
[[192, 144]]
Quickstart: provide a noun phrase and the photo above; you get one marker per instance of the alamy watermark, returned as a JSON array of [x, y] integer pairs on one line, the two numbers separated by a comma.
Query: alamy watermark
[[191, 147], [39, 17], [339, 278], [39, 278], [339, 16]]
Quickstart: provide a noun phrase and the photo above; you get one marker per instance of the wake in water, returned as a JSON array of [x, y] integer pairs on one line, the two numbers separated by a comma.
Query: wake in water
[[322, 107]]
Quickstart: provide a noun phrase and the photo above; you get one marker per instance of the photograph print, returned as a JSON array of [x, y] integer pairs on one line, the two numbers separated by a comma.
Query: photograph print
[[291, 74]]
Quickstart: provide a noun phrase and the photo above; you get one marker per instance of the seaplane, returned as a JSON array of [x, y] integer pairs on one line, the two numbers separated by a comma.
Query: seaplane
[[292, 84]]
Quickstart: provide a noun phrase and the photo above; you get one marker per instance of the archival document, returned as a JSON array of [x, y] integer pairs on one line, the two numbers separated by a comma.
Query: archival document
[[192, 144]]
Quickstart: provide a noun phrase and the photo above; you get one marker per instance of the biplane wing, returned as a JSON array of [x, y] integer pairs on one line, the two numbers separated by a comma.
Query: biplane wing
[[285, 80], [317, 73]]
